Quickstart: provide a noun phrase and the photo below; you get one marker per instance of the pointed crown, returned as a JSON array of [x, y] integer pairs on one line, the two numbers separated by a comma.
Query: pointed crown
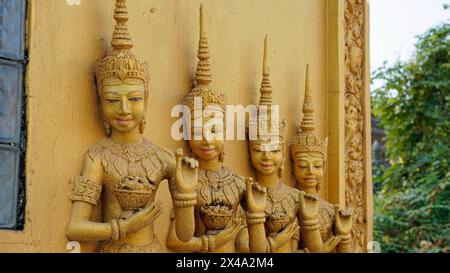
[[203, 76], [266, 100], [120, 63], [306, 139]]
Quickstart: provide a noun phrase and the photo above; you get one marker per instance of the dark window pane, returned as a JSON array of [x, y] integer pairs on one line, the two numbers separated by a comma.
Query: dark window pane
[[9, 175], [12, 21], [10, 101]]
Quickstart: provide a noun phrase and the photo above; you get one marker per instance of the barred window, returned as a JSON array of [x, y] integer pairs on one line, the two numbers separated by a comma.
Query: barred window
[[12, 117]]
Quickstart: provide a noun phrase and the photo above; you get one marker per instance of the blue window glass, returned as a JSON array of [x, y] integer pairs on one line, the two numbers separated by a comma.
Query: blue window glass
[[10, 101], [12, 138], [12, 30], [9, 175]]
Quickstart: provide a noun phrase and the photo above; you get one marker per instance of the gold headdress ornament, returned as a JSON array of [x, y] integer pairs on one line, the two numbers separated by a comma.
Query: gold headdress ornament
[[203, 75], [306, 139], [266, 100], [120, 63]]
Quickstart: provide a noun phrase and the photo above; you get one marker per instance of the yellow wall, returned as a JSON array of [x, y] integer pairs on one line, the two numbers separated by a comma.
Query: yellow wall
[[65, 42]]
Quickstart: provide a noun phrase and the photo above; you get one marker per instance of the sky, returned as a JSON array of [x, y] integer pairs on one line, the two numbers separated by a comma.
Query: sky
[[394, 25]]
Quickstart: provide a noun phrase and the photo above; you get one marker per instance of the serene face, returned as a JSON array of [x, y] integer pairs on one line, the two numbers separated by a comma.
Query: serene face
[[123, 105], [206, 143], [308, 169], [266, 157]]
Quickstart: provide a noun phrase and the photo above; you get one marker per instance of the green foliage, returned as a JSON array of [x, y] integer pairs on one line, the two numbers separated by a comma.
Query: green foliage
[[412, 211]]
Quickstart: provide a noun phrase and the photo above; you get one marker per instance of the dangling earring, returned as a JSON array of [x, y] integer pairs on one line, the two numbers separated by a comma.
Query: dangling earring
[[280, 171], [318, 187], [107, 128], [142, 126], [222, 156]]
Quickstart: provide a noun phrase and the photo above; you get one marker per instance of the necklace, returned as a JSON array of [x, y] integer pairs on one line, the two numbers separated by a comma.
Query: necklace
[[215, 179], [276, 193]]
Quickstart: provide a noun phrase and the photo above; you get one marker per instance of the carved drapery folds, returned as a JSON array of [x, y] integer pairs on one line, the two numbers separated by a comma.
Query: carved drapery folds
[[355, 190]]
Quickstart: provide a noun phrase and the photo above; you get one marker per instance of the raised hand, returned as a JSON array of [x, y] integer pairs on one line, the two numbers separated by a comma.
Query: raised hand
[[284, 236], [343, 221], [141, 219], [255, 196], [186, 172], [308, 207]]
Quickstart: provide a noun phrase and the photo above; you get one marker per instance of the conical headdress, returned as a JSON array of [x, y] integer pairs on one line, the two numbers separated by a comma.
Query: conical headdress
[[120, 63], [203, 75], [306, 139], [266, 100]]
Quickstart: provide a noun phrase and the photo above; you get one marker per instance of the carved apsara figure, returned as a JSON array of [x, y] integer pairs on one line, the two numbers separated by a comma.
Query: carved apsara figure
[[219, 190], [308, 152], [272, 206], [279, 217], [121, 172]]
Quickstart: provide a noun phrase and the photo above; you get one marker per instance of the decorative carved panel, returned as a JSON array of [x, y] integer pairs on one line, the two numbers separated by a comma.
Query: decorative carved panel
[[354, 119]]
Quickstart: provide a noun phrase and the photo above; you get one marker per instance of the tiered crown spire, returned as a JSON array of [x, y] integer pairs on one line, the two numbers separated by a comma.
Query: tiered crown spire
[[121, 39], [306, 139], [120, 62], [203, 75], [265, 100], [266, 89]]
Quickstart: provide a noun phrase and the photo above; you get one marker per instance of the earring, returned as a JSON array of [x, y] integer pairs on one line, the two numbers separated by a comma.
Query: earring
[[222, 156], [318, 187], [142, 126], [280, 171], [107, 128]]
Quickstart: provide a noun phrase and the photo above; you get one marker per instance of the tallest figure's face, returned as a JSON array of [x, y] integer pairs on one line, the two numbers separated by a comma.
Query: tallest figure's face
[[123, 105]]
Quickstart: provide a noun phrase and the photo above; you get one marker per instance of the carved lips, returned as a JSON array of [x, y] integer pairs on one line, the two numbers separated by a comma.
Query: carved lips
[[124, 121], [266, 166], [310, 180], [207, 150]]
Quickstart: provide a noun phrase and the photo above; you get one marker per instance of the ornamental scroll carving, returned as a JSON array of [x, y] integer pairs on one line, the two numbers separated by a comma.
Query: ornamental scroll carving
[[354, 119]]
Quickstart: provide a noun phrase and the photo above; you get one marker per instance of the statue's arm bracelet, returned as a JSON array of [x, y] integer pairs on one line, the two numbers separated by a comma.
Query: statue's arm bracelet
[[85, 189]]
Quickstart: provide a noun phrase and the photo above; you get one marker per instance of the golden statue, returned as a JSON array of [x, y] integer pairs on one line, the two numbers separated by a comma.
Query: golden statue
[[274, 210], [219, 190], [308, 152], [122, 172], [271, 205]]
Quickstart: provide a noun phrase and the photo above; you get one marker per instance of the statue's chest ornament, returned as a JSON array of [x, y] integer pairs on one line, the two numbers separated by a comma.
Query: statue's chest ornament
[[134, 171], [132, 160], [280, 209], [218, 197]]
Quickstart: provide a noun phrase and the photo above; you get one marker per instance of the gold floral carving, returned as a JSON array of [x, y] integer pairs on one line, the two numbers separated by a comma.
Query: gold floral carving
[[354, 119]]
